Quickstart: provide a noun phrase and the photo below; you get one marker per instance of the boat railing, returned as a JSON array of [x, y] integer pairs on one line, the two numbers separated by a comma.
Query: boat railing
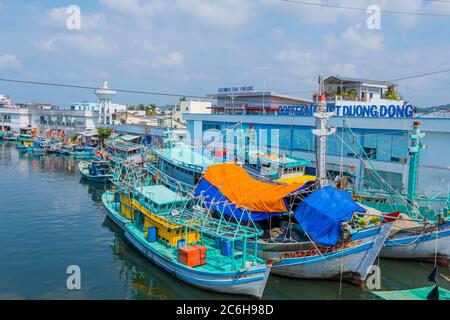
[[170, 182]]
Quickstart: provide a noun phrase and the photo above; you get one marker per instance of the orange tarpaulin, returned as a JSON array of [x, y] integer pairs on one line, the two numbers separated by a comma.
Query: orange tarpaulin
[[245, 191]]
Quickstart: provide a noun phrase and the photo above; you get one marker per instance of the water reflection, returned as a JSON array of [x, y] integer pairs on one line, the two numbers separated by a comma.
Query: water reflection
[[95, 189]]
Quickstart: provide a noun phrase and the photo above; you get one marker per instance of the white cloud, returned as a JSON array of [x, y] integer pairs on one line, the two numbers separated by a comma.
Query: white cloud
[[355, 41], [92, 45], [47, 45], [346, 69], [136, 7], [299, 63], [9, 61], [218, 13], [169, 61], [277, 34]]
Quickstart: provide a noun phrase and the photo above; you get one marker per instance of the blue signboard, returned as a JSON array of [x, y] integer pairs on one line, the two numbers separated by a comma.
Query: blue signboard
[[361, 111]]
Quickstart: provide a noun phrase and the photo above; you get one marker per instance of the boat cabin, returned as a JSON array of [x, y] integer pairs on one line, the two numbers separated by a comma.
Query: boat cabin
[[98, 168], [282, 168], [124, 150], [25, 138], [183, 163], [153, 205]]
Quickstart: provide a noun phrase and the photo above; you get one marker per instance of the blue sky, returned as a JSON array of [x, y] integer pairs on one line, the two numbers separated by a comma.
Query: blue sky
[[195, 46]]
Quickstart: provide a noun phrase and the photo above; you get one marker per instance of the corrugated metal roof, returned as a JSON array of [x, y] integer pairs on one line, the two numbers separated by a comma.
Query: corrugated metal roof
[[266, 94], [361, 80]]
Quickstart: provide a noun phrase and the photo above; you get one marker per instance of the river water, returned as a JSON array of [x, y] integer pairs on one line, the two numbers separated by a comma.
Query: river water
[[50, 219]]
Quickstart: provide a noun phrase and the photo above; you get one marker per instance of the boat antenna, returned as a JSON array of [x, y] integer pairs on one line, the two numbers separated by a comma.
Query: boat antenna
[[322, 131]]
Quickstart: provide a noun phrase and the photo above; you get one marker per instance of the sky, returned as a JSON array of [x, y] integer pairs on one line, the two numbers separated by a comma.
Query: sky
[[193, 47]]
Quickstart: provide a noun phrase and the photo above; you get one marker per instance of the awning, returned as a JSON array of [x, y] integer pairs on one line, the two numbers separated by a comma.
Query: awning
[[229, 189], [321, 214]]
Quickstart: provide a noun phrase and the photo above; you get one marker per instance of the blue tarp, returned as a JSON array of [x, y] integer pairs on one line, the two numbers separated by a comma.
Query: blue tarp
[[321, 214]]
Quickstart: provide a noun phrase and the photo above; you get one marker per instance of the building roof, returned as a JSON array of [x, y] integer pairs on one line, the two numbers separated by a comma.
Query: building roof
[[185, 156], [359, 80], [160, 195], [267, 94], [130, 137]]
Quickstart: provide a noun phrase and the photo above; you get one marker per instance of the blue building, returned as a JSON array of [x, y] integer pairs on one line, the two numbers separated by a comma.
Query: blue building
[[382, 135]]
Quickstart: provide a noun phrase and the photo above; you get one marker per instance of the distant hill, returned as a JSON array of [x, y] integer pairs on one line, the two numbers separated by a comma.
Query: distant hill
[[434, 108]]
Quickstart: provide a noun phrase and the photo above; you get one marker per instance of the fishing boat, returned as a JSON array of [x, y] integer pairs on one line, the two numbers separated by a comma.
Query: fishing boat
[[292, 213], [77, 151], [309, 232], [95, 171], [10, 136], [118, 208], [183, 240], [278, 167], [423, 230], [53, 148], [414, 294], [435, 292], [24, 142], [120, 150]]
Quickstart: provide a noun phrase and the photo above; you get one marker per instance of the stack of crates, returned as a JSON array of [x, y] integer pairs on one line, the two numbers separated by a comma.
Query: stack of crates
[[192, 256]]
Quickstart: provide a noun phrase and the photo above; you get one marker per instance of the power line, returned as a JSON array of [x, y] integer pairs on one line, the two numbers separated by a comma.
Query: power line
[[365, 9], [420, 75], [447, 1], [176, 95], [94, 88], [63, 85]]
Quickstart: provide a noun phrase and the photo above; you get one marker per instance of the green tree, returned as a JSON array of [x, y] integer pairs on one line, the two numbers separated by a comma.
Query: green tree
[[391, 94], [104, 133]]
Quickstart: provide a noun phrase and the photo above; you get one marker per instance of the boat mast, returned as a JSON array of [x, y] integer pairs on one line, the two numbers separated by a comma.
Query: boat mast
[[416, 147], [168, 138], [321, 132]]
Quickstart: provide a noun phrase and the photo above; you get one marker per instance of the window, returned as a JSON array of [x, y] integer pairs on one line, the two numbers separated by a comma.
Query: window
[[371, 153]]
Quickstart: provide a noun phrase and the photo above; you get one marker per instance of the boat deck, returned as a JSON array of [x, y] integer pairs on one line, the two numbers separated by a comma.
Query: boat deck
[[215, 261]]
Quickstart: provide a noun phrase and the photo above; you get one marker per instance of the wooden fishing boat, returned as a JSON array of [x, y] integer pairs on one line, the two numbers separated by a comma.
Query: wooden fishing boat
[[120, 150], [77, 151], [162, 228], [95, 171], [414, 294], [423, 232], [10, 137], [321, 233], [25, 142], [117, 209]]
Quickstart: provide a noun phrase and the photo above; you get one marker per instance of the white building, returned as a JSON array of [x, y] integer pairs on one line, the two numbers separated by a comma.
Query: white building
[[85, 106], [5, 102], [42, 119], [197, 107], [364, 91]]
